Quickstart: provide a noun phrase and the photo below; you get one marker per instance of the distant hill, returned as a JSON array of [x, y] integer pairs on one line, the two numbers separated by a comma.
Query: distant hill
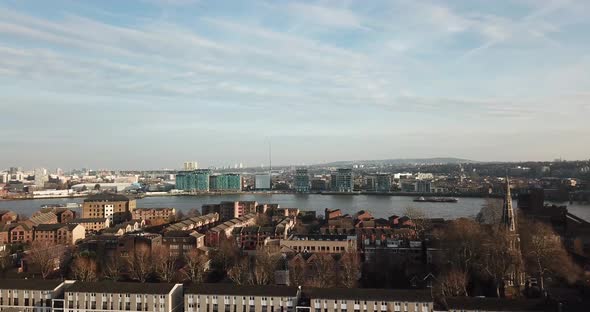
[[400, 161]]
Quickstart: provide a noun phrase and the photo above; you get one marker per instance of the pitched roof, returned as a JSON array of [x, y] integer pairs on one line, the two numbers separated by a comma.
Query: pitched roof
[[106, 197], [121, 287], [88, 220], [56, 226], [368, 294], [29, 284], [242, 290], [495, 304], [45, 217]]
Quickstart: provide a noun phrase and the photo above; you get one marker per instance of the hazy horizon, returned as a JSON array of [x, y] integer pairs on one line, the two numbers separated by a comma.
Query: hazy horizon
[[150, 84]]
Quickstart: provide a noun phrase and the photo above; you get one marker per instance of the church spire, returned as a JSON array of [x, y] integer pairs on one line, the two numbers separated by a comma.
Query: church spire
[[507, 211]]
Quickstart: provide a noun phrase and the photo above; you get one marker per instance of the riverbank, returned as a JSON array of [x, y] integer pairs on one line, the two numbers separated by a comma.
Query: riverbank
[[379, 206]]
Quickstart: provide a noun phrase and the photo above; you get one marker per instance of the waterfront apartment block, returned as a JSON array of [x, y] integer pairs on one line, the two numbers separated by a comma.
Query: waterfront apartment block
[[234, 298], [119, 296], [225, 182], [29, 295], [117, 208], [320, 243], [383, 182], [368, 300], [302, 180], [342, 180], [193, 181], [263, 182]]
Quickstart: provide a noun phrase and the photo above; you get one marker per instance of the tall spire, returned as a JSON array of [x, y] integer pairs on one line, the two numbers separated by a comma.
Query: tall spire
[[507, 211]]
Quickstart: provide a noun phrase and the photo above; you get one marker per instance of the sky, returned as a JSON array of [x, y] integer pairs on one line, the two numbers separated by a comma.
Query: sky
[[150, 84]]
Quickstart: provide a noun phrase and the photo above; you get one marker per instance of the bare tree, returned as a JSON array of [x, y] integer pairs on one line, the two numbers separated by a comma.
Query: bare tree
[[499, 259], [491, 211], [323, 270], [453, 283], [139, 265], [195, 266], [420, 224], [164, 263], [545, 254], [45, 256], [179, 215], [298, 273], [193, 212], [266, 261], [239, 273], [462, 241], [84, 268], [262, 219], [350, 269], [226, 254], [111, 269], [5, 262]]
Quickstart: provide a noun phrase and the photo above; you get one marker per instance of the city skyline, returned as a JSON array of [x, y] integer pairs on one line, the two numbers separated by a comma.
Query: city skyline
[[151, 84]]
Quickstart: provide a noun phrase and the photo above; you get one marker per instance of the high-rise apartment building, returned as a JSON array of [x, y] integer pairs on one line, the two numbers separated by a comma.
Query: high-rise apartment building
[[225, 182], [343, 180], [262, 181], [190, 165], [423, 186], [302, 180], [382, 182], [193, 181], [40, 177]]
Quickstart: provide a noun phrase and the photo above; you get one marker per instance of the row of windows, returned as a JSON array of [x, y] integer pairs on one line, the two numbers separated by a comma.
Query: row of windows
[[106, 306], [26, 302], [243, 308]]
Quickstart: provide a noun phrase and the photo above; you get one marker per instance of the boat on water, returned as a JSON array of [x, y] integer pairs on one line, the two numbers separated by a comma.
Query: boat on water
[[422, 199], [68, 206]]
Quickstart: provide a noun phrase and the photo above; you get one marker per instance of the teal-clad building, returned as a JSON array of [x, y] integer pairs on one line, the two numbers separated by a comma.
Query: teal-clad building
[[193, 181], [226, 182]]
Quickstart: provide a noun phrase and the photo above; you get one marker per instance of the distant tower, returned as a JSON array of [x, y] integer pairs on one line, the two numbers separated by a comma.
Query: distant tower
[[190, 165], [507, 212]]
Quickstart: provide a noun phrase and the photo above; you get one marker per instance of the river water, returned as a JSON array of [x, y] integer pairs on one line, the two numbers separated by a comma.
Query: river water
[[379, 206]]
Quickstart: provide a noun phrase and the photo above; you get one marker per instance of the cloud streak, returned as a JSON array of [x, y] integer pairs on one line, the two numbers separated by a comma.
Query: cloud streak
[[293, 69]]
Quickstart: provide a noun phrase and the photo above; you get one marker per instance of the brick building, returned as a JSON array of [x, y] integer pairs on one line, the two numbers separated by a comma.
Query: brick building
[[62, 234], [117, 208]]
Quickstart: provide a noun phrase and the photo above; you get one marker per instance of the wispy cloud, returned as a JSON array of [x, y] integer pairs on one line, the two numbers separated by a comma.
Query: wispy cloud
[[295, 67]]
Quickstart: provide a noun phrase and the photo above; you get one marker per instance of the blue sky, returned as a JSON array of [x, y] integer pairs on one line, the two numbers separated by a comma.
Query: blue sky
[[150, 84]]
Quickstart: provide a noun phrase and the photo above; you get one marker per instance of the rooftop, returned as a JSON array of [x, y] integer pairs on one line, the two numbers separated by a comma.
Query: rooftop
[[56, 226], [368, 294], [495, 304], [242, 290], [121, 288], [88, 220], [30, 284]]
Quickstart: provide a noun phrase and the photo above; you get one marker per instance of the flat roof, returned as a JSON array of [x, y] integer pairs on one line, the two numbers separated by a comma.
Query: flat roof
[[242, 290], [121, 287], [30, 284], [495, 304], [368, 294]]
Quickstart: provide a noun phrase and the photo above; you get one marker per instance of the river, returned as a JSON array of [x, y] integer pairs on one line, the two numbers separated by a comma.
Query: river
[[379, 206]]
